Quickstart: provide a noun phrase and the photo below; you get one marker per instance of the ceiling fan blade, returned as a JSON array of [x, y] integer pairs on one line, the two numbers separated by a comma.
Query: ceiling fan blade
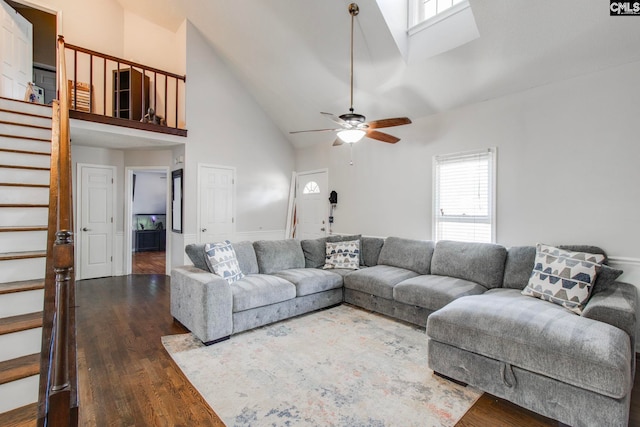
[[335, 118], [338, 142], [387, 123], [381, 136], [314, 130]]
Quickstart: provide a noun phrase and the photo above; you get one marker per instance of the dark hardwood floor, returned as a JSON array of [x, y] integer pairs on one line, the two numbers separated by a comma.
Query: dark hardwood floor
[[149, 262], [127, 378]]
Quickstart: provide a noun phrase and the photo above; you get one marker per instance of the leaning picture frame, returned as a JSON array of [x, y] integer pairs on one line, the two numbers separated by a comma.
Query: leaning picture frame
[[177, 186]]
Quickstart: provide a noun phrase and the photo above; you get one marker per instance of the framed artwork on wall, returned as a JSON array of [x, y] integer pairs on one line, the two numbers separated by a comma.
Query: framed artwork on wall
[[176, 201]]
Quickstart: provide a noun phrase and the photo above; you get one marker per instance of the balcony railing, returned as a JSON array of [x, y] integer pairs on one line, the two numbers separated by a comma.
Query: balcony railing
[[106, 89]]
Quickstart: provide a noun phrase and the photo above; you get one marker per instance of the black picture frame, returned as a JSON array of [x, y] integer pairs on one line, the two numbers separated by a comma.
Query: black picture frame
[[177, 208]]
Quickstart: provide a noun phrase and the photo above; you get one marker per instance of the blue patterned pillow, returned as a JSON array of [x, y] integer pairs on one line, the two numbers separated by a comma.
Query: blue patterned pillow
[[221, 259], [343, 255], [563, 277]]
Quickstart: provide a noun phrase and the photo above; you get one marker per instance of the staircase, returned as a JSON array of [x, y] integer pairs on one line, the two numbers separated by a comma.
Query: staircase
[[25, 144]]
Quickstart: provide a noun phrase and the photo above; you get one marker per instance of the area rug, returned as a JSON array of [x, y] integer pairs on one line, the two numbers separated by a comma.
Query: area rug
[[338, 367]]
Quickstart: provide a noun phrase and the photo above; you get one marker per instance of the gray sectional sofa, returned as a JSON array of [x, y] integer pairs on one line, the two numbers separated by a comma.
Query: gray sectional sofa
[[577, 369]]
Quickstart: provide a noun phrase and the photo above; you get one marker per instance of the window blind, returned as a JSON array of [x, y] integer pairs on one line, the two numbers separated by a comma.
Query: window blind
[[464, 194]]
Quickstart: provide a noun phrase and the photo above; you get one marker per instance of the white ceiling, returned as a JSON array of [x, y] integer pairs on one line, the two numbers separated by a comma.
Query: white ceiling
[[293, 55]]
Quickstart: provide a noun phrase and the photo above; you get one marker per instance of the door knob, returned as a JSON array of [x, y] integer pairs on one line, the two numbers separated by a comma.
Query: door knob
[[203, 230], [322, 229], [85, 229]]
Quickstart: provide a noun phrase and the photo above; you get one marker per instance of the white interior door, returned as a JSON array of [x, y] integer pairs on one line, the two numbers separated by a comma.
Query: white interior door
[[312, 205], [95, 222], [216, 199], [16, 53]]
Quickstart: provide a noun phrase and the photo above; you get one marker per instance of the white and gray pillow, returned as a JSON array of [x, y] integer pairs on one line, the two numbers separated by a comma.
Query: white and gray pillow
[[563, 277], [343, 255], [221, 260]]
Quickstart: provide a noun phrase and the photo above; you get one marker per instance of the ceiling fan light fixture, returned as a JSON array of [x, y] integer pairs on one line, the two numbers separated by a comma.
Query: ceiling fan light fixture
[[351, 136]]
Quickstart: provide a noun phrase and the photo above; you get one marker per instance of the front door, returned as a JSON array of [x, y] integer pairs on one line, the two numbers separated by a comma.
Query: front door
[[312, 205], [95, 222], [16, 52], [216, 198]]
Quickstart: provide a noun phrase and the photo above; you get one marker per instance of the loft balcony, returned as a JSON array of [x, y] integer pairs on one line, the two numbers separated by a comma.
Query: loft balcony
[[106, 90]]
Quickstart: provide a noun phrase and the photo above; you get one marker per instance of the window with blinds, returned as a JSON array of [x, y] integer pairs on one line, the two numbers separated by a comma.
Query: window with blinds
[[464, 196]]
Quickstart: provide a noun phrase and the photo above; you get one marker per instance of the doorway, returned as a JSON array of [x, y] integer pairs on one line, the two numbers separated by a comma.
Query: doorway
[[147, 220], [312, 204]]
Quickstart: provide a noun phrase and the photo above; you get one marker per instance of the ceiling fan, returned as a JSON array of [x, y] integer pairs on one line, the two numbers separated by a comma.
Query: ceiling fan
[[353, 126]]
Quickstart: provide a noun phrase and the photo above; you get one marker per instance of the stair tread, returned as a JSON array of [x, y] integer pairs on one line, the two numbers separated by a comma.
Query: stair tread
[[32, 168], [5, 135], [8, 229], [5, 122], [23, 205], [36, 153], [19, 368], [19, 184], [25, 416], [22, 322], [23, 285], [22, 255]]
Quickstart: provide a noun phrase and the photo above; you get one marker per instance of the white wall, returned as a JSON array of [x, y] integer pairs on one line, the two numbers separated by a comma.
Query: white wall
[[567, 166], [150, 195], [228, 128]]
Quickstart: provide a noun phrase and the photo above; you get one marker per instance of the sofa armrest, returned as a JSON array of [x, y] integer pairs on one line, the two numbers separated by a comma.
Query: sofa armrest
[[202, 302], [616, 305]]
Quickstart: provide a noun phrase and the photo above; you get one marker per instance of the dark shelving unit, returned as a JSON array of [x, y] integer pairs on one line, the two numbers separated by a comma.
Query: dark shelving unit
[[128, 100]]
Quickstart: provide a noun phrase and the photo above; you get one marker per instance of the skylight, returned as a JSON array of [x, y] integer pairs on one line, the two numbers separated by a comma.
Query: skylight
[[427, 10]]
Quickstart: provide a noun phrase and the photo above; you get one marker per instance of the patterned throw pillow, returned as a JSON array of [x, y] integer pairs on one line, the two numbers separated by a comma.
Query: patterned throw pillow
[[343, 255], [221, 259], [563, 277]]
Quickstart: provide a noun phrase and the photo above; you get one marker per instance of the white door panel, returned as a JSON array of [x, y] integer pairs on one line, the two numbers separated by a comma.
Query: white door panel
[[16, 52], [96, 222], [216, 203], [312, 202]]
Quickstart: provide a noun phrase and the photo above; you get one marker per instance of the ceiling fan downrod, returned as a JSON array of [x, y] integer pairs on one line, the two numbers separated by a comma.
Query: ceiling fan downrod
[[354, 10]]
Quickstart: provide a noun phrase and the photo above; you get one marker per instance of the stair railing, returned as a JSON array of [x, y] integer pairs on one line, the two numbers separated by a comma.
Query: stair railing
[[58, 400]]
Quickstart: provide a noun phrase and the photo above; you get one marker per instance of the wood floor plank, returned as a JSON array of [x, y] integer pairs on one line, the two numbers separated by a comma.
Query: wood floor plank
[[150, 262], [127, 378]]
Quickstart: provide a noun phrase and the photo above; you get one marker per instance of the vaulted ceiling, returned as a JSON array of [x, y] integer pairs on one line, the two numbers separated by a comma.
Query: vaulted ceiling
[[293, 55]]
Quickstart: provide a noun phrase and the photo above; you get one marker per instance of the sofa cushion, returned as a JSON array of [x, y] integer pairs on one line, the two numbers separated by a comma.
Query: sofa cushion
[[246, 257], [378, 280], [278, 255], [414, 255], [343, 255], [257, 290], [370, 250], [195, 252], [221, 259], [314, 252], [539, 337], [311, 280], [434, 292], [482, 263], [518, 266], [563, 277]]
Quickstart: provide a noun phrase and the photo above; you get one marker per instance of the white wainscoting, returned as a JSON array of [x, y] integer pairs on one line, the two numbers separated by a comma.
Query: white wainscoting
[[118, 254], [631, 268]]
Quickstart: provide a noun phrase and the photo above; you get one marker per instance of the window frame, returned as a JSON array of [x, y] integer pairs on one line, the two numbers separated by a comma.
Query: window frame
[[417, 22], [490, 218]]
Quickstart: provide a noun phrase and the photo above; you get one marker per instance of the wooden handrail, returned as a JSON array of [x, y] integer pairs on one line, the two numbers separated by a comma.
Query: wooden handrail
[[58, 400]]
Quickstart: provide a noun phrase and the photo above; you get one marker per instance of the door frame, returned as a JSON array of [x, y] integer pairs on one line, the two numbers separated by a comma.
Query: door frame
[[327, 231], [198, 202], [78, 223], [128, 213]]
